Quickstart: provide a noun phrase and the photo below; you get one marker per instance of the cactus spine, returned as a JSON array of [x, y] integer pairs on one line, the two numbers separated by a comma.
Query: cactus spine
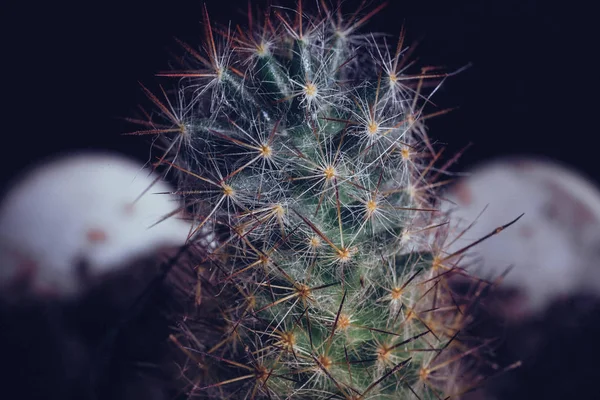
[[302, 143]]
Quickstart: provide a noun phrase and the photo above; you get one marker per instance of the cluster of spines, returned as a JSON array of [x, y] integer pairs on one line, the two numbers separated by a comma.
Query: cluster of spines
[[318, 173]]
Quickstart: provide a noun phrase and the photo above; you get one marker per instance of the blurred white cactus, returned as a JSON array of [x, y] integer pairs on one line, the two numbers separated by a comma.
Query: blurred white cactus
[[95, 210], [553, 248]]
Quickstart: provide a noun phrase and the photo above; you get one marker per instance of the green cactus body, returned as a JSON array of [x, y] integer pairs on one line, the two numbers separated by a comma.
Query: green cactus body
[[316, 167]]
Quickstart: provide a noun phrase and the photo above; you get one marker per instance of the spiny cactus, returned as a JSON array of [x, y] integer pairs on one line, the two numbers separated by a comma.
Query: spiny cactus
[[301, 143]]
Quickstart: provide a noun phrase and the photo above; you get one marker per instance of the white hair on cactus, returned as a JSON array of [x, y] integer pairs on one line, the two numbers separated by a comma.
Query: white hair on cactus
[[83, 209], [552, 249]]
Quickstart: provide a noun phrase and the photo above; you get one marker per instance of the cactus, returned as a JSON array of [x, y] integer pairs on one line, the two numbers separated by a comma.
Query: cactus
[[300, 142]]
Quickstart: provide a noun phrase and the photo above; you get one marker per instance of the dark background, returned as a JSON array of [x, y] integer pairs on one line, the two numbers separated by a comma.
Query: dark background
[[70, 73]]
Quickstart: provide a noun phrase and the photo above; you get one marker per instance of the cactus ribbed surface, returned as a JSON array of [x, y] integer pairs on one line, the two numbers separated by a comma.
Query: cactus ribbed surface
[[301, 143]]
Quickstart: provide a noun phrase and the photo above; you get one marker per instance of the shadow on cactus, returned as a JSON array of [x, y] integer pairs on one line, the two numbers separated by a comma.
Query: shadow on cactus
[[301, 143]]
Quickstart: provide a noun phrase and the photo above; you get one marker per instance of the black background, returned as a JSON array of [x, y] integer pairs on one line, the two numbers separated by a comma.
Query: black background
[[70, 73]]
